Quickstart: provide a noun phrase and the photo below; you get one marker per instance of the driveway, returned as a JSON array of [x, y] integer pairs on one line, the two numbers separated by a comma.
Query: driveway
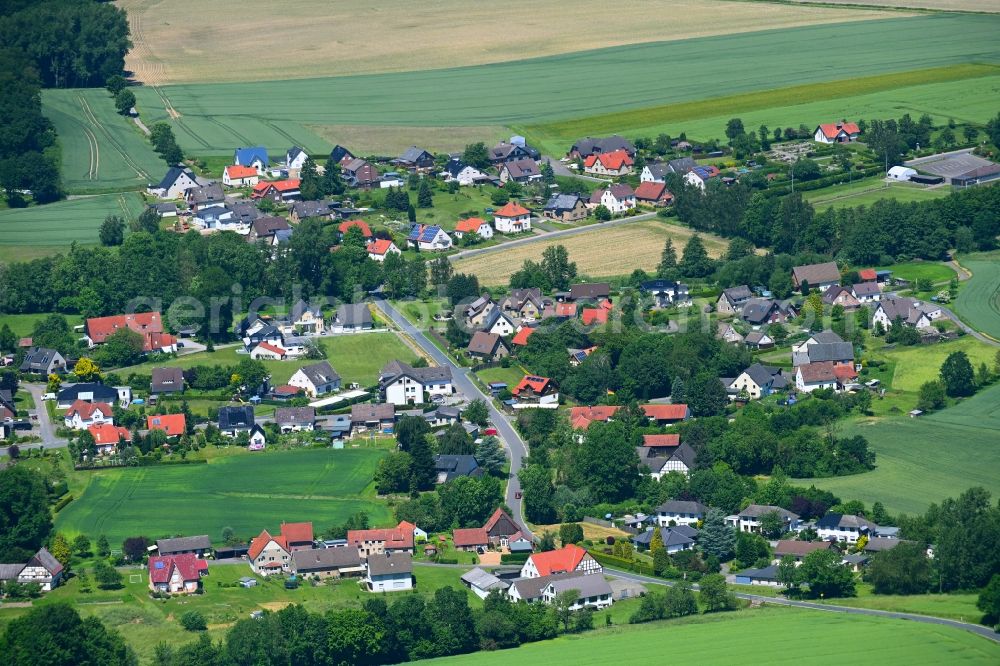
[[560, 169], [516, 448], [46, 429]]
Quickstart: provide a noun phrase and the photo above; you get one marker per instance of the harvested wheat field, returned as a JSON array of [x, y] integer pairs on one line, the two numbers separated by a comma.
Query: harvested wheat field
[[943, 5], [190, 41], [599, 252]]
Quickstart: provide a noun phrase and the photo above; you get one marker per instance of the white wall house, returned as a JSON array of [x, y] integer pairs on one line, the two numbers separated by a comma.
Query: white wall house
[[389, 572], [267, 556], [402, 384], [512, 219], [680, 513], [618, 198]]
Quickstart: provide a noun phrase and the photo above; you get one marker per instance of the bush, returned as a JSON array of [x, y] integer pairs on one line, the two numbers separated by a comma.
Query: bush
[[193, 621]]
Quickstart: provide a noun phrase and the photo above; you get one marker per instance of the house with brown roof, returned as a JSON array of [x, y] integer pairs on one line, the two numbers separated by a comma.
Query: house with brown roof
[[819, 276], [269, 554], [380, 417], [733, 299], [470, 539], [565, 208], [617, 198], [653, 194], [841, 296], [590, 146], [798, 549], [390, 572], [327, 562], [374, 542], [295, 419], [823, 375], [167, 380], [487, 346], [664, 415], [523, 170], [501, 529], [176, 574], [359, 173], [589, 291]]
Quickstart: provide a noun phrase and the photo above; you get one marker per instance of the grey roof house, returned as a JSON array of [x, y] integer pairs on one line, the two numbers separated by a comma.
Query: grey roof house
[[167, 380], [43, 361]]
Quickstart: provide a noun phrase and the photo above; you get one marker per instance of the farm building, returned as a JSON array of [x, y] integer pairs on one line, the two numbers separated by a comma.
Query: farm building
[[901, 173]]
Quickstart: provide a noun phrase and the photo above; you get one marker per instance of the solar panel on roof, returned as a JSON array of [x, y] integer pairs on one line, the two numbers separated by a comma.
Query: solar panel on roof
[[158, 565]]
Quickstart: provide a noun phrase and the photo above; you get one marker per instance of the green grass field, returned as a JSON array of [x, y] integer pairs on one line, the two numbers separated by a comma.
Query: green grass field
[[358, 358], [511, 376], [143, 622], [958, 606], [755, 637], [934, 271], [102, 151], [24, 324], [869, 190], [916, 365], [215, 118], [926, 459], [979, 301], [248, 492], [39, 230]]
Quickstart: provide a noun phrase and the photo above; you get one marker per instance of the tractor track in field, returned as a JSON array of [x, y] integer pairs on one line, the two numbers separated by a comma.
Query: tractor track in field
[[127, 495], [272, 125], [92, 119]]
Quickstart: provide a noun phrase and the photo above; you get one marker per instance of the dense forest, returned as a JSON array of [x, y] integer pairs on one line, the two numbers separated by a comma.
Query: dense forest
[[53, 44]]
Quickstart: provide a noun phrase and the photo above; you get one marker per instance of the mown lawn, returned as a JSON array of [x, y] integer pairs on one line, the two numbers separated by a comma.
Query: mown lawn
[[247, 491], [958, 606], [922, 363], [511, 376], [934, 271], [24, 324], [869, 190], [926, 459], [755, 637]]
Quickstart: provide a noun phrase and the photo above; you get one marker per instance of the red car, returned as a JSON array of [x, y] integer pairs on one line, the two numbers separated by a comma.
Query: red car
[[517, 495], [491, 431]]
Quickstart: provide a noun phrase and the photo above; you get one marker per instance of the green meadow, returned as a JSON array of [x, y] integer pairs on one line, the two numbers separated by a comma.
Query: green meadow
[[248, 492], [941, 454], [867, 191], [215, 118], [978, 304], [26, 233], [102, 151], [755, 637]]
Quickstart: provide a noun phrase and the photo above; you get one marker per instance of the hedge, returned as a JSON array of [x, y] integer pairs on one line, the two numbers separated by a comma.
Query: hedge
[[514, 558], [619, 563], [61, 504]]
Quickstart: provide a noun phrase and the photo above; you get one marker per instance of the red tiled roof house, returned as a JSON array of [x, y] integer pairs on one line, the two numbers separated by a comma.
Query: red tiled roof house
[[512, 219], [566, 559], [176, 574]]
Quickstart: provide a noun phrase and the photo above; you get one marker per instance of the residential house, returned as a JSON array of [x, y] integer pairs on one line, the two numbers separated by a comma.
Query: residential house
[[534, 391], [167, 209], [656, 171], [748, 520], [327, 563], [298, 536], [841, 296], [470, 539], [199, 546], [509, 152], [205, 197], [263, 229], [295, 419], [235, 419], [617, 198], [498, 323], [376, 542], [147, 324], [819, 276], [798, 549], [825, 337], [381, 248], [520, 171], [674, 541], [174, 425], [667, 293], [592, 592], [758, 340], [501, 529], [258, 331], [526, 304], [176, 574], [303, 318], [295, 157], [663, 457], [81, 415], [700, 175], [590, 145], [823, 375], [909, 311], [415, 158], [482, 583], [269, 554], [255, 157], [316, 379], [402, 384], [43, 568], [665, 415], [733, 299], [595, 316], [391, 179], [680, 512], [767, 576], [841, 353], [580, 418], [473, 225], [565, 208], [520, 338], [758, 381], [464, 174], [301, 210], [867, 292], [448, 467], [70, 394], [174, 184], [352, 317], [615, 163], [512, 218], [391, 572], [589, 291], [653, 194], [235, 175], [265, 351], [257, 438], [278, 191], [761, 311], [340, 154], [566, 559], [43, 361], [166, 380], [840, 132], [727, 333], [428, 238], [380, 417], [878, 544], [487, 346], [359, 173], [107, 437], [844, 527]]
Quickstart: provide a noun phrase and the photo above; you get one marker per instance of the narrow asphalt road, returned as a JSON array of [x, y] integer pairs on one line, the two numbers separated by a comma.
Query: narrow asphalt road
[[559, 168], [46, 430], [466, 254], [516, 447], [986, 632]]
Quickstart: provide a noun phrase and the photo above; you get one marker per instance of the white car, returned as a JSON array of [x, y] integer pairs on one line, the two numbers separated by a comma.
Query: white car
[[48, 396]]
